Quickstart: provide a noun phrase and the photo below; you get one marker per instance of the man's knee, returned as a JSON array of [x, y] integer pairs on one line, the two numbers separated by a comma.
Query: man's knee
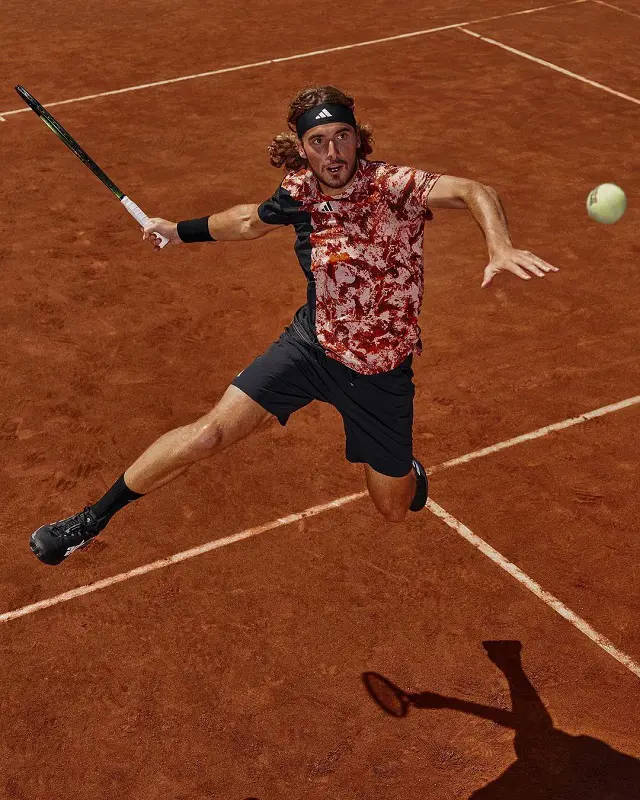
[[392, 510], [207, 437], [394, 515], [234, 417], [391, 496]]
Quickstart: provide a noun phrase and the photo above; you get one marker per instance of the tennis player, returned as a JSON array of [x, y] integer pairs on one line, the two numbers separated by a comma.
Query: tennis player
[[359, 228]]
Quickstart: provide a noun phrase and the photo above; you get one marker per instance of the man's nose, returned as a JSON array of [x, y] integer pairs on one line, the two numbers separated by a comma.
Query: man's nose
[[333, 152]]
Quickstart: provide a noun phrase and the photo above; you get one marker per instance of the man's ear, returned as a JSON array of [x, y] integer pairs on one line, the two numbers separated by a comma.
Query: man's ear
[[301, 152]]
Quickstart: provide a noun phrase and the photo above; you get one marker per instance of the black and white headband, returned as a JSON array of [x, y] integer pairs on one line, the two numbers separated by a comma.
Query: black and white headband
[[323, 115]]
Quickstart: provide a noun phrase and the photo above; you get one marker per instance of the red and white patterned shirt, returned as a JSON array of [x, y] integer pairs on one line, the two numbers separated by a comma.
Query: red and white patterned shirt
[[362, 254]]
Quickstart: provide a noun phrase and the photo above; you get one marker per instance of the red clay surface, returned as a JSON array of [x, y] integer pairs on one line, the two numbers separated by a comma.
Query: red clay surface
[[105, 46], [558, 36], [237, 674], [581, 491]]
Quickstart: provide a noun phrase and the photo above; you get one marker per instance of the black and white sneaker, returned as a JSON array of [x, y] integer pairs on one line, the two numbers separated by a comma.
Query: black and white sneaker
[[56, 541], [422, 487]]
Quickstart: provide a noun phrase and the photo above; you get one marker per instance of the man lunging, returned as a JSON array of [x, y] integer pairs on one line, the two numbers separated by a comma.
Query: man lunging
[[359, 228]]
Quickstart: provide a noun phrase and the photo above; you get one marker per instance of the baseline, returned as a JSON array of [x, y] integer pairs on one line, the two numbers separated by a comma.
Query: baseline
[[210, 73]]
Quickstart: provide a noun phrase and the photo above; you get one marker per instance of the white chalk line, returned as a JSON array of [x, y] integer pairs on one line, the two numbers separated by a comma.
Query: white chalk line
[[548, 64], [175, 559], [617, 8], [266, 62], [526, 437], [534, 587], [310, 512]]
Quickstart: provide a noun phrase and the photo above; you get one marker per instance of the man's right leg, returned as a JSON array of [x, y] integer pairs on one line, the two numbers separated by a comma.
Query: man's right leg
[[234, 417]]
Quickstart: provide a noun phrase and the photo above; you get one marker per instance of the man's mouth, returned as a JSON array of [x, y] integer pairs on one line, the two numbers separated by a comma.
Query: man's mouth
[[334, 169]]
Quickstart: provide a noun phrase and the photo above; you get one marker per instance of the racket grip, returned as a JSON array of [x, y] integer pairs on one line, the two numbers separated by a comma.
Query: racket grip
[[138, 214]]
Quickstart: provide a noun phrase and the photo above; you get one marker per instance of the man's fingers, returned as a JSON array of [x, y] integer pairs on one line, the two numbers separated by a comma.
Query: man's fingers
[[534, 264], [148, 232], [541, 263], [523, 260], [521, 263], [517, 270], [533, 267]]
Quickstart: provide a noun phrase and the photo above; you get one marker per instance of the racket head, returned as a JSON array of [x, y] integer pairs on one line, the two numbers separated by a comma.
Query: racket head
[[387, 695]]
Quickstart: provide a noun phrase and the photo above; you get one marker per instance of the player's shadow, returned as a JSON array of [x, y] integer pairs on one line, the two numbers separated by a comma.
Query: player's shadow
[[551, 764]]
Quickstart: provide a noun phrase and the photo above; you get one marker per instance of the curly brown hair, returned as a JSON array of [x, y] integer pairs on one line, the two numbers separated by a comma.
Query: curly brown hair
[[283, 150]]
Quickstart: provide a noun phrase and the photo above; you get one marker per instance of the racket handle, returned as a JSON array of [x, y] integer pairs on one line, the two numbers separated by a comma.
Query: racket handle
[[138, 214]]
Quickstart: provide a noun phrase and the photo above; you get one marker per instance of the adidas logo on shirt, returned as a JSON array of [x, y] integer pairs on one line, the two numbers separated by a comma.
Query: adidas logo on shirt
[[324, 114], [326, 207]]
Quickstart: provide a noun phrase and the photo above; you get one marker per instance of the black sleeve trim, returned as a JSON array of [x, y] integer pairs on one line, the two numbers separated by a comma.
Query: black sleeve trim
[[278, 208]]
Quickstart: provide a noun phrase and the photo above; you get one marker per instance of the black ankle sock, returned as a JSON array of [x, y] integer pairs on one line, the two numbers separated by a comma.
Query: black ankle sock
[[118, 496]]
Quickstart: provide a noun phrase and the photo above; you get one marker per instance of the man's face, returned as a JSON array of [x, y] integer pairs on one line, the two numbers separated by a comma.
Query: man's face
[[331, 153]]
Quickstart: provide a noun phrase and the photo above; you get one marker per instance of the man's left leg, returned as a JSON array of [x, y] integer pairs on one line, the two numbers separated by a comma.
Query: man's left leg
[[377, 411], [394, 496]]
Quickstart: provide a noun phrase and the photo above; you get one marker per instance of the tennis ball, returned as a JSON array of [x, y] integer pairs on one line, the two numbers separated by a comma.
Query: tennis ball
[[606, 203]]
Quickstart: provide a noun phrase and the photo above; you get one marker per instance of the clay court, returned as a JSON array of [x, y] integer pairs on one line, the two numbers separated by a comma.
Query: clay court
[[210, 645]]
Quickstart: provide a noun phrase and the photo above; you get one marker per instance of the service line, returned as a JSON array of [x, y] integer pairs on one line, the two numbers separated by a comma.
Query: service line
[[216, 544]]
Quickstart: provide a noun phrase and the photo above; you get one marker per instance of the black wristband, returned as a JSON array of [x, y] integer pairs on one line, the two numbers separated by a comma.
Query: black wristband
[[195, 230]]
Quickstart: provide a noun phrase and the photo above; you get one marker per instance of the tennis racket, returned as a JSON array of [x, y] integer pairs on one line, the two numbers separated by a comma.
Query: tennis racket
[[136, 212]]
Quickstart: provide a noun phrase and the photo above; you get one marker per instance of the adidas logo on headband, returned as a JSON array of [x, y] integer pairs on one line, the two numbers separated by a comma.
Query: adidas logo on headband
[[324, 114]]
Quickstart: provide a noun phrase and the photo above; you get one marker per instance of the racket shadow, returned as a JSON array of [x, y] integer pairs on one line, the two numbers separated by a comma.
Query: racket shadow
[[551, 764]]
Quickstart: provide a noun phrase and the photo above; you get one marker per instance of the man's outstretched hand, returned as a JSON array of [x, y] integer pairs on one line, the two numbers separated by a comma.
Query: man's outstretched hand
[[519, 262]]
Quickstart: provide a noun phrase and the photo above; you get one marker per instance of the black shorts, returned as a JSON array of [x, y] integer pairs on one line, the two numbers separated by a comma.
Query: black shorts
[[377, 410]]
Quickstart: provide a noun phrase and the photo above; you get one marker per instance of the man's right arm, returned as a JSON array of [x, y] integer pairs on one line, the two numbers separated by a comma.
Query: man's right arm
[[239, 222], [235, 224]]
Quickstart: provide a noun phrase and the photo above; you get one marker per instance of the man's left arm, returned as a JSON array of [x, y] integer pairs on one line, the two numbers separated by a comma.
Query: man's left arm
[[486, 208]]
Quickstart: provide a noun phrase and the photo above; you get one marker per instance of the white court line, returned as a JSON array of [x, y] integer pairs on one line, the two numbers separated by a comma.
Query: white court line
[[534, 587], [555, 67], [4, 114], [617, 8], [310, 512], [175, 559], [526, 437]]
